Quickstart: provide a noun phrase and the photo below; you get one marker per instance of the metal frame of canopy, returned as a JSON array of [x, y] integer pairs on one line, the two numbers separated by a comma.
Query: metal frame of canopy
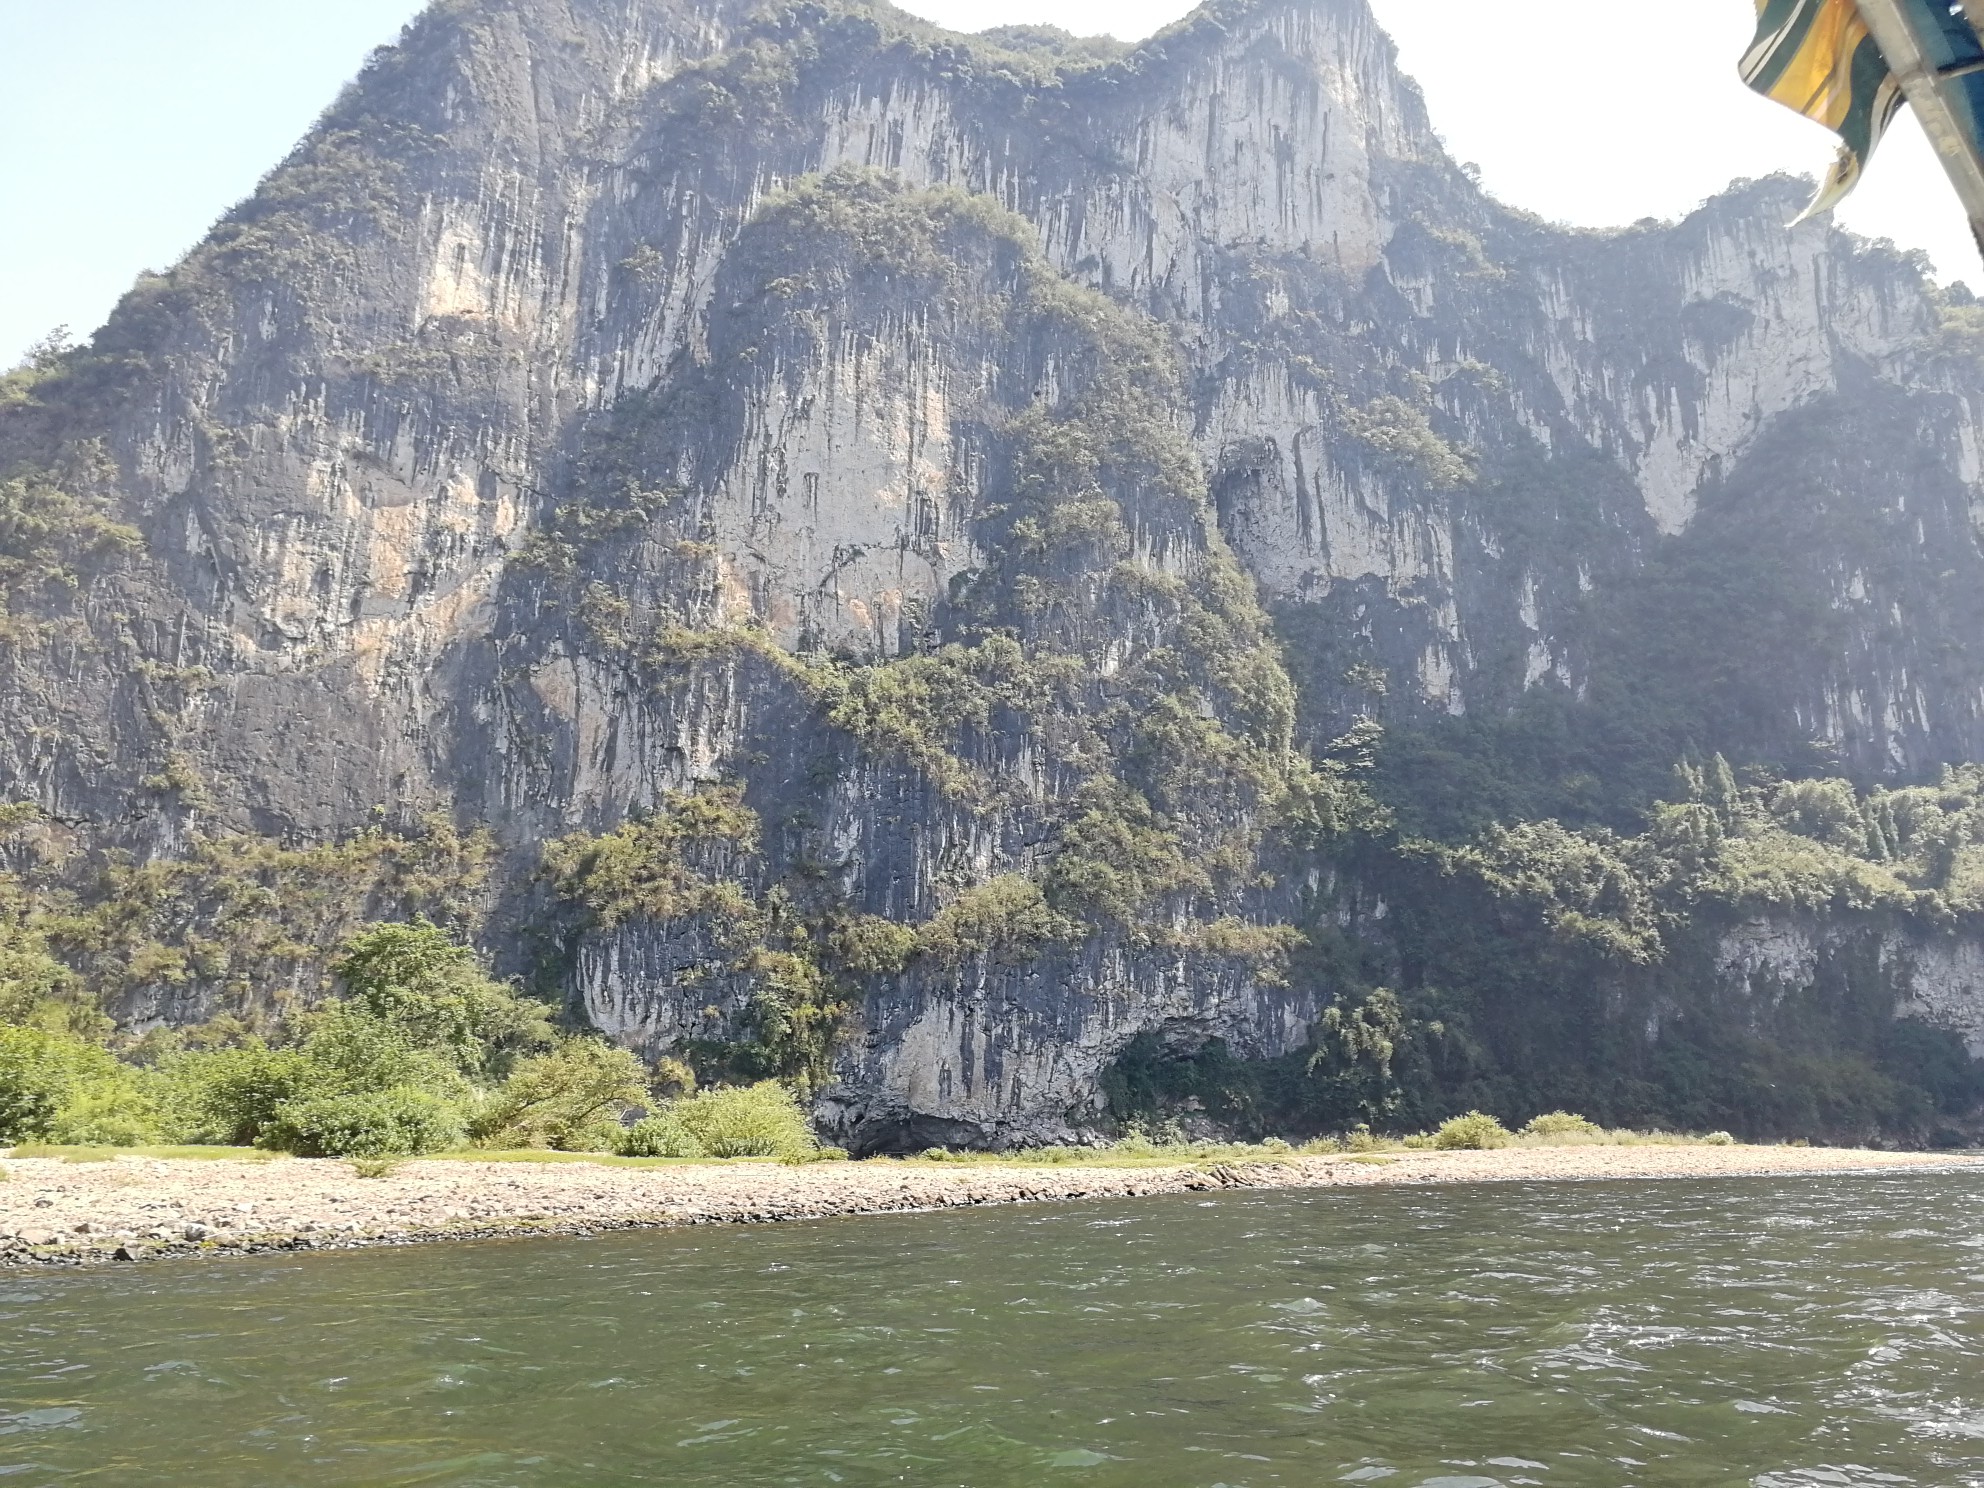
[[1947, 97]]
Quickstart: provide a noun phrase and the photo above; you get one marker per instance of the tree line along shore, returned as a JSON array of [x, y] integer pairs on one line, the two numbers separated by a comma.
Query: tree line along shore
[[424, 1053]]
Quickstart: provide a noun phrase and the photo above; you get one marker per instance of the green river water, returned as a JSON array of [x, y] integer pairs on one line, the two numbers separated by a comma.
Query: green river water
[[1763, 1332]]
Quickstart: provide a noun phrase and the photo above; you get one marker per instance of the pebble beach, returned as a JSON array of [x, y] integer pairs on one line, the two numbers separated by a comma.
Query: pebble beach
[[135, 1208]]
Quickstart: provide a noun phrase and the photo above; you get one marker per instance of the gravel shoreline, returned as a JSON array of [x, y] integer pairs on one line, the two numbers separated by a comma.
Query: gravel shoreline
[[138, 1208]]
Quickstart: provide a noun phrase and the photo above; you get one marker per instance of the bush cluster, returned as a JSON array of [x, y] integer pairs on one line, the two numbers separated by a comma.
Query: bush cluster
[[1560, 1124], [44, 1075], [762, 1120], [423, 1053], [378, 1123], [1473, 1132]]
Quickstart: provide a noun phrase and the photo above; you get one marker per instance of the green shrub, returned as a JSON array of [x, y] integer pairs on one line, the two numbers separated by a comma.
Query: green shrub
[[373, 1123], [1473, 1132], [659, 1136], [648, 867], [435, 993], [1557, 1124], [1402, 434], [1718, 1139], [569, 1099], [236, 1096], [37, 990], [117, 1112], [351, 1049], [1007, 919], [599, 1134], [869, 946], [1115, 857], [40, 1074], [762, 1120], [231, 1096]]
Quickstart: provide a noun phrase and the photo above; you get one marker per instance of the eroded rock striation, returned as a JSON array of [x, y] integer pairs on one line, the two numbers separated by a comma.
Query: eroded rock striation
[[1003, 576]]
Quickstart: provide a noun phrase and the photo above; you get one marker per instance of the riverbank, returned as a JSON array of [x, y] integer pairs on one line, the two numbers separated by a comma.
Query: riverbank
[[138, 1208]]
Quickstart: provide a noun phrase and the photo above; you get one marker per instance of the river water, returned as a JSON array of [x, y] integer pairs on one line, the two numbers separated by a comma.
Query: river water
[[1764, 1332]]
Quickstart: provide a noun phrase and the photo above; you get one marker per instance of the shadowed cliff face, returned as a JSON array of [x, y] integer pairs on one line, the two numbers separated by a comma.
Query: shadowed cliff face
[[614, 399]]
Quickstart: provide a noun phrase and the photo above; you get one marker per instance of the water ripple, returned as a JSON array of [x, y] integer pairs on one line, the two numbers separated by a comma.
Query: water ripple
[[1782, 1334]]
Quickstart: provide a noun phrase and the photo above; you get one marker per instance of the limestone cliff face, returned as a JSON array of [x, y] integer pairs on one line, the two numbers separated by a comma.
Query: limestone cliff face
[[521, 452], [1937, 978]]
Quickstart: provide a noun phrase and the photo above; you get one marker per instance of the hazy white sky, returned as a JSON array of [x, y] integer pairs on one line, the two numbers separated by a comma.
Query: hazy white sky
[[127, 126]]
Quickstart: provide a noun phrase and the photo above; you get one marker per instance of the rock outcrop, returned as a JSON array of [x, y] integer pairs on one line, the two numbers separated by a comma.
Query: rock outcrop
[[616, 399]]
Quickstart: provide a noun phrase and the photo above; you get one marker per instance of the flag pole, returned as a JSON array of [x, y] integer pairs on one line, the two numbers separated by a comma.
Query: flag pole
[[1899, 29]]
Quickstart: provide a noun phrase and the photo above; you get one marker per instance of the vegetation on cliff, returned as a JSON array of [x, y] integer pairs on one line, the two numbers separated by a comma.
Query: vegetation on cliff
[[1169, 766], [1509, 954]]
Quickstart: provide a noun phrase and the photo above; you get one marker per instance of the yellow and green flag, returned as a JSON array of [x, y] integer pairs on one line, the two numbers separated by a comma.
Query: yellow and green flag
[[1816, 56]]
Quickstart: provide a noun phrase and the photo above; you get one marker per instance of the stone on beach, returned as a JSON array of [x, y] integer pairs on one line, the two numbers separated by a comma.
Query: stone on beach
[[96, 1209]]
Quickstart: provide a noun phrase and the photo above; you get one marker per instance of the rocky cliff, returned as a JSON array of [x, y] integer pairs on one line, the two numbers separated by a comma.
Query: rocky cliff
[[995, 576]]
